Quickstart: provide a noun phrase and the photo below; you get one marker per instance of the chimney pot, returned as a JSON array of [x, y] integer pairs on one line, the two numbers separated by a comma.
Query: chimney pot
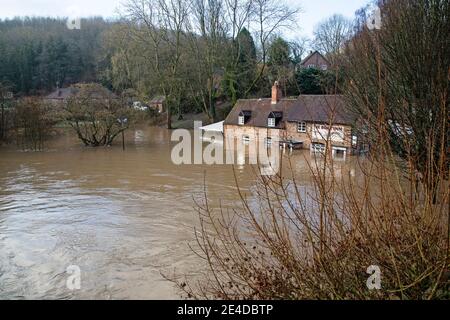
[[276, 93]]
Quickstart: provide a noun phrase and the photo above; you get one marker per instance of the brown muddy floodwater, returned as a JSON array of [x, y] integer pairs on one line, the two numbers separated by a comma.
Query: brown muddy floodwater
[[123, 217]]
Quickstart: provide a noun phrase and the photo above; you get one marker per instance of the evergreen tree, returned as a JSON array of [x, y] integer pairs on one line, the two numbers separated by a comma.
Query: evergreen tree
[[241, 66]]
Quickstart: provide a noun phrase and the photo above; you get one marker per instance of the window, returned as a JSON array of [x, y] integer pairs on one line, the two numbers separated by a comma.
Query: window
[[324, 67], [318, 147], [339, 153], [311, 65], [271, 122], [323, 132], [245, 139], [301, 127], [244, 116]]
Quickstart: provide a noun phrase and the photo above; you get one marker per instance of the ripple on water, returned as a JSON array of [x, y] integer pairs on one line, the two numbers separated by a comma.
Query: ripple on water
[[121, 216]]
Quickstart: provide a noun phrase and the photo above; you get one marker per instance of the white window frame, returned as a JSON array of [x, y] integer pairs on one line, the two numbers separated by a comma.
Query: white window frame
[[268, 141], [301, 127], [339, 153], [241, 120], [245, 139], [324, 67], [311, 65], [354, 141], [322, 132], [318, 148], [271, 122]]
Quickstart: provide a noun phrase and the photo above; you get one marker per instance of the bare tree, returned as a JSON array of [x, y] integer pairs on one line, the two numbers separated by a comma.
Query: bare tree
[[160, 25], [287, 240], [188, 48], [271, 16], [299, 47], [331, 35], [4, 91], [215, 23], [414, 107], [127, 61], [34, 121], [207, 42]]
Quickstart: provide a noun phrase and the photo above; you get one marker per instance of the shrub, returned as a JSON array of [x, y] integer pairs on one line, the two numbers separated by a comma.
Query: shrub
[[34, 122]]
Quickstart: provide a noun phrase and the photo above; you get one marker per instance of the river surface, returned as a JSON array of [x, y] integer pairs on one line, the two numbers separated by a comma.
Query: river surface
[[121, 217]]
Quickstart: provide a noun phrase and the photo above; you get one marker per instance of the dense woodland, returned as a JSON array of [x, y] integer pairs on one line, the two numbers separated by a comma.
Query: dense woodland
[[38, 54]]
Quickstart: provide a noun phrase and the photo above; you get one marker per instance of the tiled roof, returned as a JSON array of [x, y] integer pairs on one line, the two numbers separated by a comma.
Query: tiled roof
[[62, 93], [308, 108], [320, 108], [260, 111], [158, 100], [72, 91]]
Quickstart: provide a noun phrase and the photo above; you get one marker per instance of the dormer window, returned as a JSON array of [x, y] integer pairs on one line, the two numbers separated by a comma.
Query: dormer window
[[244, 117], [274, 119]]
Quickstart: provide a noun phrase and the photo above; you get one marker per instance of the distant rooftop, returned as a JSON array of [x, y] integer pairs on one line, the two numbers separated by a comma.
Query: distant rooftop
[[158, 100], [72, 91]]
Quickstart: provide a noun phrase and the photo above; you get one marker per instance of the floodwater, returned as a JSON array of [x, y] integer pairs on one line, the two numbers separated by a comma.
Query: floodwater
[[121, 217]]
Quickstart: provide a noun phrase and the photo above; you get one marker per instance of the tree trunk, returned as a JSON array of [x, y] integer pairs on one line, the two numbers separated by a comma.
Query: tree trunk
[[2, 129], [169, 117]]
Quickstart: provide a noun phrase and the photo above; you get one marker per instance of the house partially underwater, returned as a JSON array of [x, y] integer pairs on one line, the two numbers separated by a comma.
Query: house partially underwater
[[313, 122], [62, 95]]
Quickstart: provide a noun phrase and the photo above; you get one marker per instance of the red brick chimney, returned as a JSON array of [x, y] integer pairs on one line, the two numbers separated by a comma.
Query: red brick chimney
[[276, 93]]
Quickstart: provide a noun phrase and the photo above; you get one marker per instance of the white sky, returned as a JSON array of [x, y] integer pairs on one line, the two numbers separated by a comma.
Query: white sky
[[313, 11]]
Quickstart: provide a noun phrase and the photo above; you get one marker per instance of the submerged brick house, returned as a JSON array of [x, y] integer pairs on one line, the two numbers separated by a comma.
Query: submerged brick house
[[309, 121], [61, 96]]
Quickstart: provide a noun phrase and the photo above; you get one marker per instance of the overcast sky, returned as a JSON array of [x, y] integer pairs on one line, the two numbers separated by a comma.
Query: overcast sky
[[313, 11]]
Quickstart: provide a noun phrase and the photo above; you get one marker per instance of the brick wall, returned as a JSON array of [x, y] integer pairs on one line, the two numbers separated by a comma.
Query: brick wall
[[254, 133], [289, 133], [317, 60], [293, 134]]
